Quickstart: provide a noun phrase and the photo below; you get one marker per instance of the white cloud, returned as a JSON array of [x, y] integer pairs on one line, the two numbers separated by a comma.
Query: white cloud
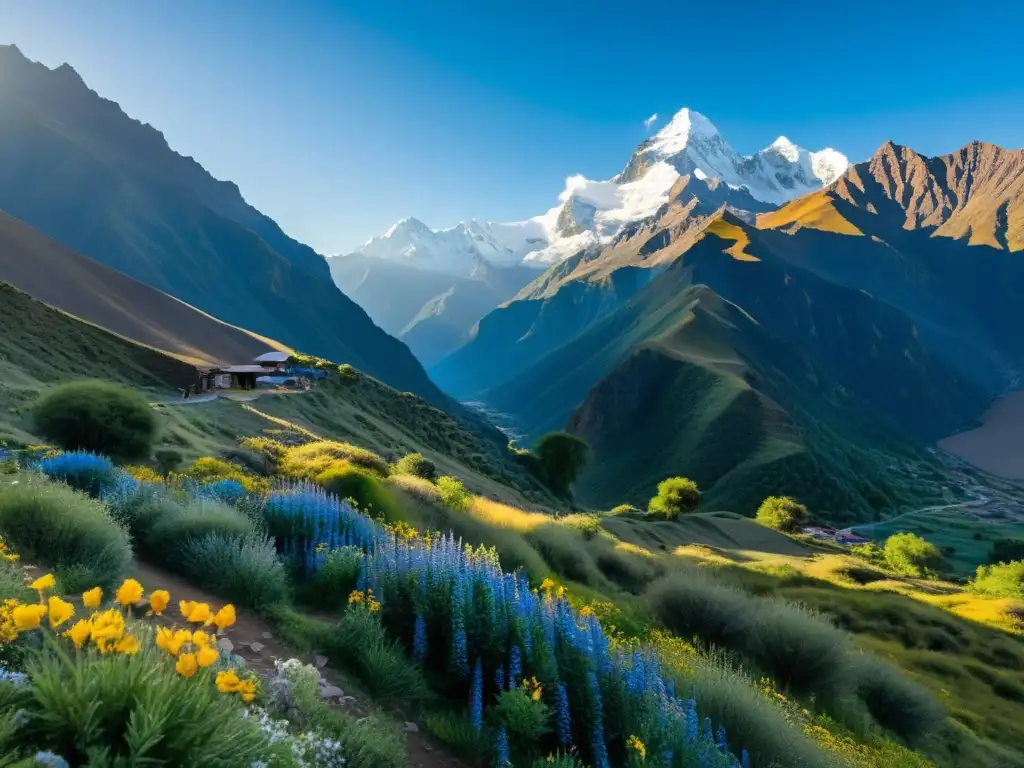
[[650, 121]]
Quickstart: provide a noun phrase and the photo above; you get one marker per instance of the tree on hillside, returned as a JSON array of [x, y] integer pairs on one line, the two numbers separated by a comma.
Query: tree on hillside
[[783, 513], [676, 496], [563, 457], [1006, 551], [910, 555], [1002, 580], [97, 416]]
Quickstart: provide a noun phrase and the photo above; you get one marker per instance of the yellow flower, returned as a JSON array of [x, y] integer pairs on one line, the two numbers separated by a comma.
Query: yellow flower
[[92, 598], [355, 597], [207, 656], [186, 606], [546, 585], [227, 681], [637, 746], [107, 628], [127, 645], [158, 601], [129, 592], [586, 610], [225, 617], [247, 690], [79, 632], [60, 611], [178, 639], [200, 638], [164, 638], [186, 666], [27, 617], [200, 613], [43, 583]]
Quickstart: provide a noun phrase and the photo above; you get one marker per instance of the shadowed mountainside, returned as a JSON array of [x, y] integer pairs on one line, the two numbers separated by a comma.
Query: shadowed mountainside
[[75, 167]]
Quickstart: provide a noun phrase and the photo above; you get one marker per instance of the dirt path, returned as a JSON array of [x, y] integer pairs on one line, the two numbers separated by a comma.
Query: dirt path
[[251, 628]]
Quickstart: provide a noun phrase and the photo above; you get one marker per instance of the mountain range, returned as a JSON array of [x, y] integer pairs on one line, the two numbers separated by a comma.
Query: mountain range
[[795, 350], [76, 168], [484, 264]]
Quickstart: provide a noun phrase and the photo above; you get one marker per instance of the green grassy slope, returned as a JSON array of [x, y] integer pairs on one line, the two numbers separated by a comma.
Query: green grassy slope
[[40, 346], [75, 167]]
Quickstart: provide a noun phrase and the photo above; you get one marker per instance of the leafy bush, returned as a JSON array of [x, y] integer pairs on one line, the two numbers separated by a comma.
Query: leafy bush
[[312, 459], [51, 525], [348, 373], [361, 644], [142, 510], [242, 570], [348, 482], [692, 604], [1001, 580], [271, 450], [97, 416], [1006, 551], [526, 719], [417, 486], [83, 471], [910, 555], [170, 537], [207, 469], [897, 702], [416, 464], [129, 709], [334, 578], [676, 496], [801, 650], [782, 513], [626, 510], [563, 457], [453, 493], [168, 460]]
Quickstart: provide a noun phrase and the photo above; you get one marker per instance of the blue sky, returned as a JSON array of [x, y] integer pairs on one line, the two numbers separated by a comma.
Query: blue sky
[[338, 118]]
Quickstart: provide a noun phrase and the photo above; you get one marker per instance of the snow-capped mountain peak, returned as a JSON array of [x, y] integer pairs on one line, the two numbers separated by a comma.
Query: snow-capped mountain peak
[[593, 212]]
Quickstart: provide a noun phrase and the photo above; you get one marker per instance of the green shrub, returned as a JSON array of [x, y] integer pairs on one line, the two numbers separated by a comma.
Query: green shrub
[[1001, 580], [897, 702], [309, 460], [246, 571], [626, 510], [207, 469], [360, 643], [910, 555], [140, 511], [272, 451], [1006, 551], [752, 720], [331, 583], [693, 604], [168, 460], [453, 493], [170, 537], [129, 710], [676, 496], [455, 731], [97, 416], [417, 486], [51, 525], [800, 649], [563, 457], [348, 373], [417, 465], [782, 513], [526, 720], [565, 552], [349, 482]]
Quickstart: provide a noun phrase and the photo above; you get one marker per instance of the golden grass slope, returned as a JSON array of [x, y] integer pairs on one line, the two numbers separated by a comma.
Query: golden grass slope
[[62, 278]]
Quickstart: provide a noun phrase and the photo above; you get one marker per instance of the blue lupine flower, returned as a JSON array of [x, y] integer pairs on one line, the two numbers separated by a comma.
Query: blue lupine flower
[[499, 678], [14, 678], [515, 668], [563, 721], [597, 724], [419, 640], [692, 721], [476, 697], [227, 491], [745, 759], [83, 470], [720, 740], [501, 749]]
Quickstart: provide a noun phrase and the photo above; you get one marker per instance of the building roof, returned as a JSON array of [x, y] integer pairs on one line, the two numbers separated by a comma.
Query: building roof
[[273, 357], [243, 369]]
